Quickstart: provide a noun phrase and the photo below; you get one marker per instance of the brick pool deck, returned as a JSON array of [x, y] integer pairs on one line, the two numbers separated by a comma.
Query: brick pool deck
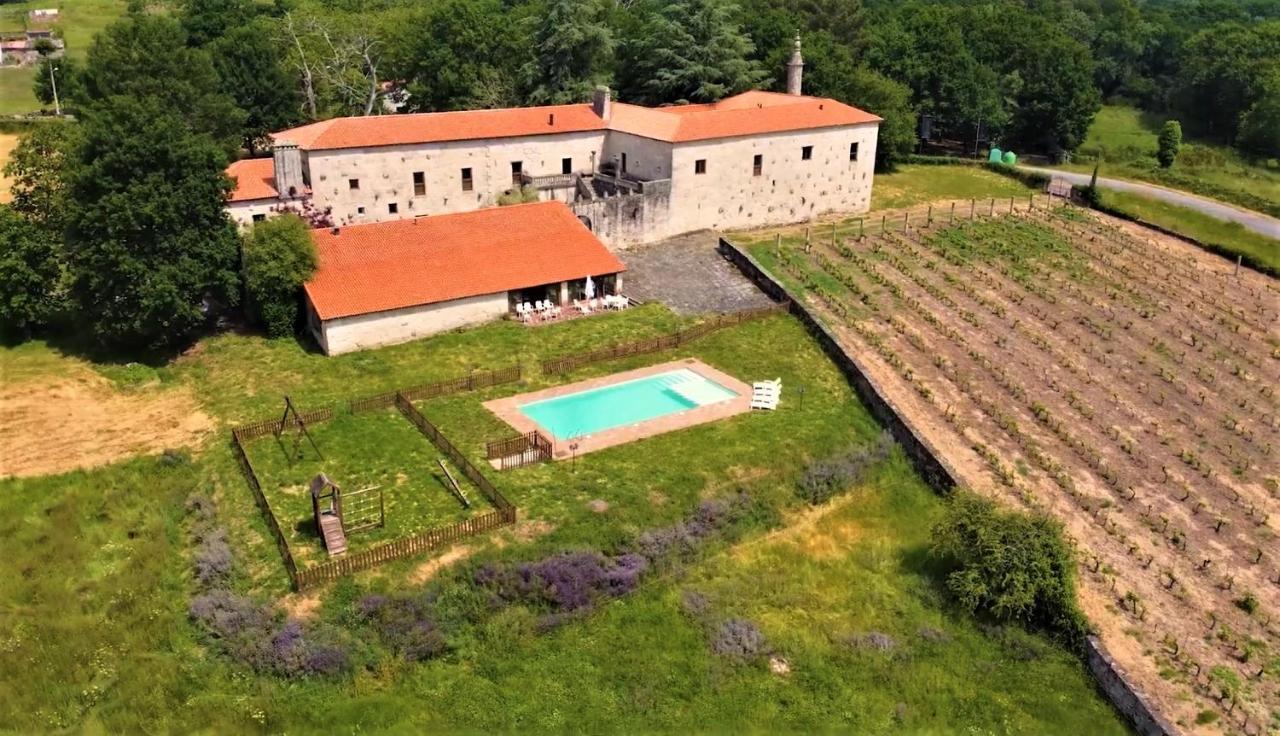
[[508, 409]]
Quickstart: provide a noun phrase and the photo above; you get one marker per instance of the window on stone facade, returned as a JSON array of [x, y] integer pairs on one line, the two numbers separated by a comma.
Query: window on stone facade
[[359, 210], [700, 166], [259, 217], [806, 153], [353, 184], [853, 151], [517, 172], [757, 165], [467, 184], [566, 166], [624, 162], [419, 183], [392, 208]]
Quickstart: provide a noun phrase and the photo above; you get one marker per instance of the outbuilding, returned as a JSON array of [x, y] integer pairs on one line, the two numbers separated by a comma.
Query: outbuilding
[[390, 282]]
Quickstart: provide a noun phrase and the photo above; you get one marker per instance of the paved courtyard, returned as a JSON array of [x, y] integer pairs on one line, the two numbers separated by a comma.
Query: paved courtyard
[[688, 275]]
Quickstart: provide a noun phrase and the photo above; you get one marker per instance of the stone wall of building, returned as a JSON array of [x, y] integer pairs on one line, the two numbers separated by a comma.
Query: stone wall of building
[[788, 189], [242, 213], [343, 335], [628, 219], [646, 158], [385, 174]]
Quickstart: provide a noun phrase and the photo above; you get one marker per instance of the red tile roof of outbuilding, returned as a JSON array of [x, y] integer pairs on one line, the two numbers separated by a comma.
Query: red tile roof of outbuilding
[[255, 178], [426, 260]]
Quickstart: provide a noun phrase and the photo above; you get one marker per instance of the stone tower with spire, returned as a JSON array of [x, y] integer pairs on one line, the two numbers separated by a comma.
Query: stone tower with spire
[[795, 69]]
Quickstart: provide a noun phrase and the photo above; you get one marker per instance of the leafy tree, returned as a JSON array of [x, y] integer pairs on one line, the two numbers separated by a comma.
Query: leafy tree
[[151, 250], [251, 70], [461, 54], [31, 274], [146, 56], [1220, 68], [39, 168], [67, 71], [688, 50], [1056, 99], [279, 257], [572, 49], [1014, 567], [206, 21], [1260, 124], [1168, 143]]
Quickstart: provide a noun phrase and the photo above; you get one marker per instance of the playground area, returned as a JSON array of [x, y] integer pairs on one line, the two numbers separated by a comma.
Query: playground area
[[391, 483]]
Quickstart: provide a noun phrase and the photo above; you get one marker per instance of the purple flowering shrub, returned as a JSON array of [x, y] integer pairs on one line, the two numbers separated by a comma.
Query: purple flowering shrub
[[249, 632], [682, 539], [738, 638], [406, 624], [563, 582], [825, 478]]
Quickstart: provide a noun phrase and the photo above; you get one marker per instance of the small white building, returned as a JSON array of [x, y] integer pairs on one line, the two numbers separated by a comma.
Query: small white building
[[391, 282]]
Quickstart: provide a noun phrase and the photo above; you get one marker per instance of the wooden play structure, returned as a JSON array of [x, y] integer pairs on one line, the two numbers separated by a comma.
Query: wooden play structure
[[365, 510], [293, 420], [454, 487]]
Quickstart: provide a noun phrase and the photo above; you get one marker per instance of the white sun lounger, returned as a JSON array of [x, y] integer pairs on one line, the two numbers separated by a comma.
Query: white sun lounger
[[766, 394]]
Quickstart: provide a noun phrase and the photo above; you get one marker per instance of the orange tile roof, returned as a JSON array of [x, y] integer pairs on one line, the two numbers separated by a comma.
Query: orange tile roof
[[406, 263], [749, 113], [255, 178], [432, 127]]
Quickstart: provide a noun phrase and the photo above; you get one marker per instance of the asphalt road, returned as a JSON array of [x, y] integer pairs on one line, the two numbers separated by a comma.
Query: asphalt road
[[1255, 221]]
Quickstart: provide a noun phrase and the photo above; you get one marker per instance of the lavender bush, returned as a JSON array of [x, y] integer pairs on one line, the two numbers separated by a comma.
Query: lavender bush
[[212, 559], [406, 624], [563, 582], [826, 478], [738, 638], [683, 538]]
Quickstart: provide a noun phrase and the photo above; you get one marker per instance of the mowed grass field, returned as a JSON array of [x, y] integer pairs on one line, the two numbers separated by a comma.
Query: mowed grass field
[[914, 184], [96, 636], [1123, 140], [79, 21]]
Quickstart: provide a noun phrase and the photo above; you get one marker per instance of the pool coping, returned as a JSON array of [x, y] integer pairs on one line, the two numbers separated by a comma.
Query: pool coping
[[508, 409]]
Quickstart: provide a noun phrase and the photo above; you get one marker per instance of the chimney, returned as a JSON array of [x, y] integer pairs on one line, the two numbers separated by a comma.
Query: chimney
[[602, 102], [795, 69], [288, 169]]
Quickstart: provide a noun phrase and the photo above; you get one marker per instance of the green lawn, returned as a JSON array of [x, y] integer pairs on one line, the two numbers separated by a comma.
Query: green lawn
[[1229, 237], [379, 448], [79, 21], [1123, 140], [95, 635], [914, 184]]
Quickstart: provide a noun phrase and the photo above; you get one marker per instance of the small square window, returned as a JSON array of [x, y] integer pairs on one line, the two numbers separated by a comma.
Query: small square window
[[359, 210], [806, 153], [757, 165], [853, 151], [259, 217], [353, 184], [393, 207], [566, 166], [700, 166], [419, 183], [467, 183]]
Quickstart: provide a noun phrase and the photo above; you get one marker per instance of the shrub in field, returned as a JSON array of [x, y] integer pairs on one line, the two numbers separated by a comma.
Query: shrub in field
[[1169, 143], [825, 478], [873, 641], [406, 624], [740, 639], [212, 559], [563, 582], [1012, 566], [681, 539]]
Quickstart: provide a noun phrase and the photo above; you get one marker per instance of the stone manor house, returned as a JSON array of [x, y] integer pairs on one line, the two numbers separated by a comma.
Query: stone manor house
[[419, 246], [632, 174]]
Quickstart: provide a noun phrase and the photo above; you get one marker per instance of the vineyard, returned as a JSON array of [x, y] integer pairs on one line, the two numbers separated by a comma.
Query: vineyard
[[1122, 382]]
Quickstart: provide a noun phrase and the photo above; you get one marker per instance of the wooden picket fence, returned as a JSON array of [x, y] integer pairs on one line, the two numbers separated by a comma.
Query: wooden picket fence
[[443, 444], [470, 382], [272, 426], [400, 548], [516, 452], [251, 477], [565, 364]]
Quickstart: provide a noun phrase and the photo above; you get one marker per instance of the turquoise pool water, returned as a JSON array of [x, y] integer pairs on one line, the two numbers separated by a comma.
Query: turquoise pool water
[[629, 402]]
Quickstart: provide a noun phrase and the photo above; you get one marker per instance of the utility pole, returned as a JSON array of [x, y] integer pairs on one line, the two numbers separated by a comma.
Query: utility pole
[[53, 81]]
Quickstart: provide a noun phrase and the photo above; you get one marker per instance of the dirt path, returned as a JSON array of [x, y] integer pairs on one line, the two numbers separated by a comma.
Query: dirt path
[[8, 142], [81, 420]]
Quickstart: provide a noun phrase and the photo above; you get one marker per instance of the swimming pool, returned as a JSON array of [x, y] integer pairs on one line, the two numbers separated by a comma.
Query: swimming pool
[[628, 402]]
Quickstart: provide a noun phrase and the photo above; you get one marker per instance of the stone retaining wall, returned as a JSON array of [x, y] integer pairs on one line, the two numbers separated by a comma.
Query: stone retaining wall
[[1127, 699]]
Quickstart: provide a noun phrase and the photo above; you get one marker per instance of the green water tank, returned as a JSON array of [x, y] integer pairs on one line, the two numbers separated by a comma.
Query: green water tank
[[1010, 158], [994, 156]]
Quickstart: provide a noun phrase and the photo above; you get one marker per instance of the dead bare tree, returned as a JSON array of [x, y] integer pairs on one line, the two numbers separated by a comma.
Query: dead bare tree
[[304, 67], [352, 68]]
